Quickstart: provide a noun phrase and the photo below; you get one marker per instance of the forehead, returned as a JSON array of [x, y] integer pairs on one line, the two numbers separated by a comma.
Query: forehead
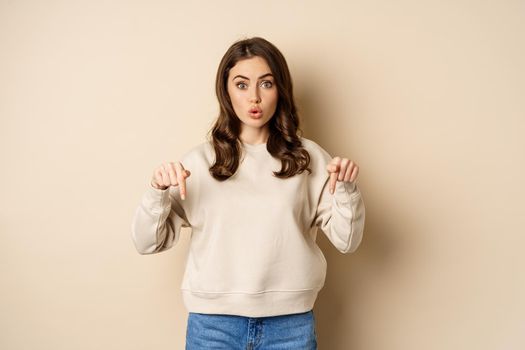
[[253, 66]]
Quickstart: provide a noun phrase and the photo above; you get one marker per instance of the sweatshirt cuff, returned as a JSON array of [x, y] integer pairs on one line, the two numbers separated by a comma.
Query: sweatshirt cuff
[[345, 192], [156, 199], [345, 187]]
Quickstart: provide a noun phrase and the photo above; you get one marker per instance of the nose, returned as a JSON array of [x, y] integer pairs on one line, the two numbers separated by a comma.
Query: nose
[[254, 95]]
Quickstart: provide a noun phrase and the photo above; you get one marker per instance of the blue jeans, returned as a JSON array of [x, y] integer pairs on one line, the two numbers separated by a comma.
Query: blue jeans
[[230, 332]]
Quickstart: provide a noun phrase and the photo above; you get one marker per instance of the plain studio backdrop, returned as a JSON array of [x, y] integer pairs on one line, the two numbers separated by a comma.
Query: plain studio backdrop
[[426, 96]]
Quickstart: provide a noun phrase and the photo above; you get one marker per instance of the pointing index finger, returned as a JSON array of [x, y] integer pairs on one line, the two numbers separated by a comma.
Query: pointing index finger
[[181, 180], [333, 180], [332, 169]]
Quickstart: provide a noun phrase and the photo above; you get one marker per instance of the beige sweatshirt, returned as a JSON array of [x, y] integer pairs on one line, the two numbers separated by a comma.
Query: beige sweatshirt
[[253, 249]]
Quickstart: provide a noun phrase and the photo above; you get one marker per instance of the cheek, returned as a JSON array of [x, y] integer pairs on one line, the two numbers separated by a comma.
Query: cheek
[[273, 97], [237, 103], [234, 97]]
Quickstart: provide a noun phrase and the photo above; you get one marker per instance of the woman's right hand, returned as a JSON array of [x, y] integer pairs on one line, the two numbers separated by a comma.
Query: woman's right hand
[[170, 174]]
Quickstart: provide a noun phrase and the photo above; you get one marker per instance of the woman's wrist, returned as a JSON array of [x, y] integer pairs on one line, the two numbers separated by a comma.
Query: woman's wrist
[[154, 185]]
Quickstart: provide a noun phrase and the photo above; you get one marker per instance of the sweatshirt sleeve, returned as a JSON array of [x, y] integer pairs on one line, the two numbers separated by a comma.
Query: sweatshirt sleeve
[[157, 221], [341, 216]]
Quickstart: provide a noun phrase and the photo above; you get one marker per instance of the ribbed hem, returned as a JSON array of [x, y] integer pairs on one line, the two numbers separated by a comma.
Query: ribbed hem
[[250, 305]]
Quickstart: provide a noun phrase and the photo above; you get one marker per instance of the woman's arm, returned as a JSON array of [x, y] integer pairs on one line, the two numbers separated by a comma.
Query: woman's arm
[[158, 220], [341, 215]]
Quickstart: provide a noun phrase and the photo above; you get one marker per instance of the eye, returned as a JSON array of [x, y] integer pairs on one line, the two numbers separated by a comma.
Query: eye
[[238, 85], [267, 83]]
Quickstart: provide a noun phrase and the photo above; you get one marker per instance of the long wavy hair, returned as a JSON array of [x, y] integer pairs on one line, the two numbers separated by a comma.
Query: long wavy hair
[[284, 142]]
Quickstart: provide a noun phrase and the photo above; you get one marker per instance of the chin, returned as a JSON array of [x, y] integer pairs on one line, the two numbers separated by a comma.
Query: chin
[[259, 122], [254, 122]]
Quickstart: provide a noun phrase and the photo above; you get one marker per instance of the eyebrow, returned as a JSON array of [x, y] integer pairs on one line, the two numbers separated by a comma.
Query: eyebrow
[[242, 76]]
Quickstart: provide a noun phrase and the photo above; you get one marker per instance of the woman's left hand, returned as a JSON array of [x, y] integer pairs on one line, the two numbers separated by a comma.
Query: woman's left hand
[[341, 169]]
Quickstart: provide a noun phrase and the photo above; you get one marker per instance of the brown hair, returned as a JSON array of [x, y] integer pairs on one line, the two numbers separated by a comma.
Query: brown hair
[[283, 142]]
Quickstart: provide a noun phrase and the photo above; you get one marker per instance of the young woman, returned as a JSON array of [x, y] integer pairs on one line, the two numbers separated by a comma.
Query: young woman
[[254, 195]]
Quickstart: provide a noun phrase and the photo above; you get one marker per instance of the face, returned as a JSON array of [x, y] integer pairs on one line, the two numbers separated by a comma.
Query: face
[[251, 86]]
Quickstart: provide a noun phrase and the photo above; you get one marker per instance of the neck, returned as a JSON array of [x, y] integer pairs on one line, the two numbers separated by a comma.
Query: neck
[[254, 137]]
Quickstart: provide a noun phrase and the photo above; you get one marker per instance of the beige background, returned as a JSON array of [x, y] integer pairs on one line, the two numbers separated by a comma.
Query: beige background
[[426, 96]]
